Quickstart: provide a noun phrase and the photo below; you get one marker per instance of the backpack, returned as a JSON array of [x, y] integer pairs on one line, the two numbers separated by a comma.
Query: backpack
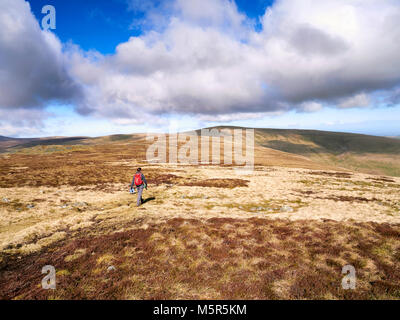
[[138, 179]]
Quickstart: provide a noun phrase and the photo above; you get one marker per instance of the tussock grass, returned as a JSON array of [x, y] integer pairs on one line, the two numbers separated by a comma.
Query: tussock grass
[[193, 238], [188, 259]]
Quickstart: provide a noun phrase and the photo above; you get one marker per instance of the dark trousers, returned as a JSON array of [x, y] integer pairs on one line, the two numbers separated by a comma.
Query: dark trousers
[[139, 195]]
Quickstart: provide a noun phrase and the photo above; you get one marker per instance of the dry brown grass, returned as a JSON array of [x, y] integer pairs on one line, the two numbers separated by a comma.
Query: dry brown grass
[[331, 174], [216, 183], [201, 234], [222, 258]]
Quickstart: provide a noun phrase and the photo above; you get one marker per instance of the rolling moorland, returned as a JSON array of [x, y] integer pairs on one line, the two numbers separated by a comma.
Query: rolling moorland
[[316, 201]]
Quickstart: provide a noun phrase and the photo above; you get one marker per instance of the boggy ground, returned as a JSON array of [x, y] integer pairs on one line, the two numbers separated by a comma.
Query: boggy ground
[[204, 232]]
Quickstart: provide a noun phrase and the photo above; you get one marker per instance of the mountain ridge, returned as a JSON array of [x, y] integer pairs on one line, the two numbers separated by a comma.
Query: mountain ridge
[[282, 147]]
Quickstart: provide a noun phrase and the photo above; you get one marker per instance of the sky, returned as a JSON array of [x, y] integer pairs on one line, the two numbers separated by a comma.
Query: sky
[[125, 66]]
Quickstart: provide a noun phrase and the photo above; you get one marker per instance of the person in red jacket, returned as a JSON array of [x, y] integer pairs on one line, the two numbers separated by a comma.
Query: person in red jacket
[[140, 182]]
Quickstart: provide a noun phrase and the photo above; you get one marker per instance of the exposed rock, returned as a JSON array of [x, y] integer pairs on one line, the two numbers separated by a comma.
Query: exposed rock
[[5, 200], [80, 204], [111, 268], [286, 209]]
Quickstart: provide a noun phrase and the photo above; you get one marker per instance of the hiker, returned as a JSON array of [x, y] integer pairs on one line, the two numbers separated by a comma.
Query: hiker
[[140, 182]]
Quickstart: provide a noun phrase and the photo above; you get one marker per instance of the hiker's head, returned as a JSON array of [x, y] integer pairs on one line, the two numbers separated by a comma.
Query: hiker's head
[[139, 169]]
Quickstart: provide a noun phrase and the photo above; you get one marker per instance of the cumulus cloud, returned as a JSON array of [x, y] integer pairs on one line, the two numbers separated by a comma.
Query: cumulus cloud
[[357, 101], [206, 59], [307, 54], [22, 122], [236, 116], [33, 69], [311, 106], [393, 97]]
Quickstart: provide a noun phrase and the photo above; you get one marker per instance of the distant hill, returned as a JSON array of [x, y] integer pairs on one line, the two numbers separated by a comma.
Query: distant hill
[[14, 144], [6, 142], [365, 153], [4, 138], [313, 141], [282, 147], [358, 152]]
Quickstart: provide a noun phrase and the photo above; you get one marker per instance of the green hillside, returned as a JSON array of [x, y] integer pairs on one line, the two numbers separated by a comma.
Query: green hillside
[[364, 153], [325, 141]]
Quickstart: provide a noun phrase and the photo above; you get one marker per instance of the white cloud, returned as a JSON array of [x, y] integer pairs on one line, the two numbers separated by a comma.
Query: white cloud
[[311, 106], [207, 60], [21, 122], [357, 101], [308, 50], [235, 116], [33, 69]]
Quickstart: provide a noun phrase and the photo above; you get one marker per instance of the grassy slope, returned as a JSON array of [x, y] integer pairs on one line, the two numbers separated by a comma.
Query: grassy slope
[[308, 141], [370, 154], [216, 258], [282, 147]]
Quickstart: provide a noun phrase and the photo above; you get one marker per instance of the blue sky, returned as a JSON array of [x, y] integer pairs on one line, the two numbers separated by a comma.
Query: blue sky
[[102, 25], [98, 25], [141, 86]]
